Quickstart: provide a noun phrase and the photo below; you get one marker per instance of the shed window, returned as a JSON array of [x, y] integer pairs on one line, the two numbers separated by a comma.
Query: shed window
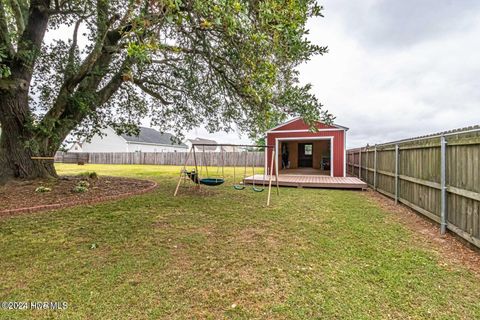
[[308, 149]]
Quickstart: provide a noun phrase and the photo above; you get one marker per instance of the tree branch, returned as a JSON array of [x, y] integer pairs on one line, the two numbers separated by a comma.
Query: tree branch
[[4, 32], [139, 82], [90, 60], [69, 69], [152, 93], [64, 12], [71, 115], [30, 41], [109, 89], [18, 14], [97, 57]]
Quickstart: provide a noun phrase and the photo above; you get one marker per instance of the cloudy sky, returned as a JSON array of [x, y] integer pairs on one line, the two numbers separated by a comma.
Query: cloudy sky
[[396, 69]]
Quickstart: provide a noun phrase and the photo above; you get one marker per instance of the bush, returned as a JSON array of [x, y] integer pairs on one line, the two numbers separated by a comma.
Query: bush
[[90, 175], [79, 189], [83, 183], [93, 175], [43, 189]]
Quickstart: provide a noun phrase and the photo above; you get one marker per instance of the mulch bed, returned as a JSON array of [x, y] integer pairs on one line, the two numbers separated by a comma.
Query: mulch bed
[[20, 196], [449, 246]]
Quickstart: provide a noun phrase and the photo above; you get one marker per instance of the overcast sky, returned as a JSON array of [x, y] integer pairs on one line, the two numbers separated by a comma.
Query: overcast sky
[[396, 69]]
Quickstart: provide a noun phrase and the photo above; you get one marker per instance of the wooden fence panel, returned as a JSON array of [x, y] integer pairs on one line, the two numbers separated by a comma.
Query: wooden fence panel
[[419, 170], [386, 170], [169, 158], [419, 177], [464, 187]]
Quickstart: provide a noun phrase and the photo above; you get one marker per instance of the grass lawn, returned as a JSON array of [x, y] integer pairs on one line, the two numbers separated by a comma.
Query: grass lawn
[[313, 254]]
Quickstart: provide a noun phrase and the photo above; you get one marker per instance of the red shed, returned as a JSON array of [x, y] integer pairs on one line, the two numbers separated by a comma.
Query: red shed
[[301, 151]]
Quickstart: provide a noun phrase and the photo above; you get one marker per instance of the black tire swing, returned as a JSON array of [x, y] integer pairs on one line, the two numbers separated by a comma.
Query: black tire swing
[[195, 174]]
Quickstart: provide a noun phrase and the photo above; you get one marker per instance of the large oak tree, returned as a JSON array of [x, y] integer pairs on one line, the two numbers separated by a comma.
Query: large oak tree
[[182, 63]]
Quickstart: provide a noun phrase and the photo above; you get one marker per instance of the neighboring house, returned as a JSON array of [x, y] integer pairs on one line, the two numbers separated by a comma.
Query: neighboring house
[[148, 140], [75, 147], [210, 145]]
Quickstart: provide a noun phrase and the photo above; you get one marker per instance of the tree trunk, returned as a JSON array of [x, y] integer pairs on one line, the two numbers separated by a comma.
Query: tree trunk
[[17, 141]]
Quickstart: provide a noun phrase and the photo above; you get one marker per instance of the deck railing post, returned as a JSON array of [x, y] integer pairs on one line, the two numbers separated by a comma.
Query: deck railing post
[[443, 182], [396, 172], [375, 168]]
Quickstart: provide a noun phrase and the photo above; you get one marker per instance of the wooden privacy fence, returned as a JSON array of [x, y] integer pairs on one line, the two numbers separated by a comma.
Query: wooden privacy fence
[[167, 158], [72, 157], [437, 175]]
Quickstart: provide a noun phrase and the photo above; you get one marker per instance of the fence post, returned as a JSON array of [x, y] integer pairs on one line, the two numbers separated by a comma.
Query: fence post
[[375, 168], [367, 158], [350, 164], [360, 164], [443, 181], [396, 172]]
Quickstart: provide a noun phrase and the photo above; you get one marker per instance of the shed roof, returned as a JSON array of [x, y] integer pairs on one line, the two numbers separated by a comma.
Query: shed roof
[[298, 120]]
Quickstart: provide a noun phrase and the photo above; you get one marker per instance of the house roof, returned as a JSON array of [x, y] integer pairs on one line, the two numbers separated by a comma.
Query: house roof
[[152, 136], [205, 141]]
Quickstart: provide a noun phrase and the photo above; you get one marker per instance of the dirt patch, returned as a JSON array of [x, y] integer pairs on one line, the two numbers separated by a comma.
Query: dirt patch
[[448, 246], [21, 196], [250, 235]]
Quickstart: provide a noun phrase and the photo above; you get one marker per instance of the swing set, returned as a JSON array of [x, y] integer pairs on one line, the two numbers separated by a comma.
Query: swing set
[[196, 175]]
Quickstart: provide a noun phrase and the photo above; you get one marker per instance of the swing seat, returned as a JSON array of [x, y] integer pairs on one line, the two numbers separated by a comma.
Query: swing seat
[[258, 189], [193, 176], [212, 182], [238, 187]]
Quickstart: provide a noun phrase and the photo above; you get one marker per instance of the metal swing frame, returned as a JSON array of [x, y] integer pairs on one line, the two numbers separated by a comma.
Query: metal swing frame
[[184, 173]]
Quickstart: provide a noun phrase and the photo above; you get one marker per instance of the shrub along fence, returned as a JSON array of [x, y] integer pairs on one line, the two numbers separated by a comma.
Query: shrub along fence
[[165, 158], [436, 175]]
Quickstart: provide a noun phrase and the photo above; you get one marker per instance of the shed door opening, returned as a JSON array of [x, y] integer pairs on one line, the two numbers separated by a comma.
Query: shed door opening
[[305, 155]]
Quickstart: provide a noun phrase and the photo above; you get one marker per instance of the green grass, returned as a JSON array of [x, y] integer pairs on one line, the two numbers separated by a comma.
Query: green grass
[[313, 254]]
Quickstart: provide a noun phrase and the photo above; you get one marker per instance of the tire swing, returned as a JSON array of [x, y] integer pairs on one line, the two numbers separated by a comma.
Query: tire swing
[[195, 175], [240, 186], [210, 181], [254, 187]]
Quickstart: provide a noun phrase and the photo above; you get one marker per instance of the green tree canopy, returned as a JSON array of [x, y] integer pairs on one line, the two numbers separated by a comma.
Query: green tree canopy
[[181, 63]]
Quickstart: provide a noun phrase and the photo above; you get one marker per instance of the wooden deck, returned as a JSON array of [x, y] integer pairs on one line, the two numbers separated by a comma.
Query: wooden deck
[[311, 181], [304, 172]]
